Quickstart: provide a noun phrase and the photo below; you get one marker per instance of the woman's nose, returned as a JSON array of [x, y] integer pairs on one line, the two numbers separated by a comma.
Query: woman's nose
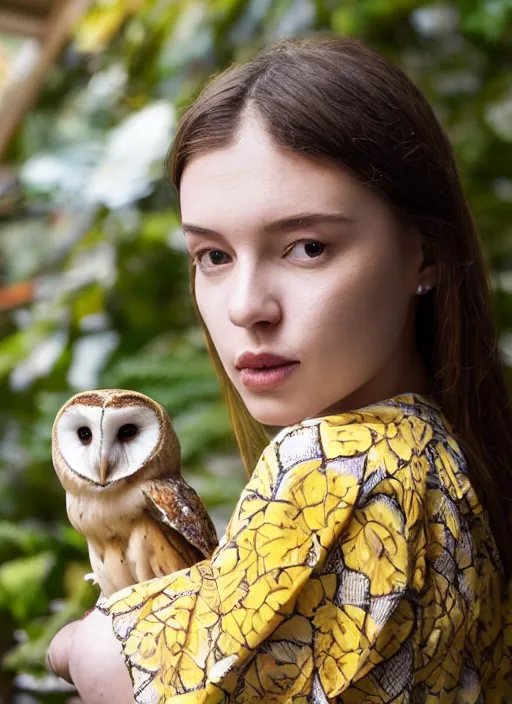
[[253, 300]]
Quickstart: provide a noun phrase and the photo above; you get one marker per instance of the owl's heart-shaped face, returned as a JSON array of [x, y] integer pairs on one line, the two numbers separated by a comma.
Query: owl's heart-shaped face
[[106, 444]]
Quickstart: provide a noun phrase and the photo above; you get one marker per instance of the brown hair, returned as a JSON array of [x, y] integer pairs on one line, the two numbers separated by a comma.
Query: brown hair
[[331, 97]]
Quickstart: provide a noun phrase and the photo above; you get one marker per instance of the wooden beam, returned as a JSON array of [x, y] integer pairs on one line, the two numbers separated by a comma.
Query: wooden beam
[[13, 22], [32, 7], [20, 99]]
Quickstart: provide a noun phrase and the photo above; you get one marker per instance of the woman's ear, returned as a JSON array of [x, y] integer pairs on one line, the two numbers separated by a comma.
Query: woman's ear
[[428, 269], [424, 262]]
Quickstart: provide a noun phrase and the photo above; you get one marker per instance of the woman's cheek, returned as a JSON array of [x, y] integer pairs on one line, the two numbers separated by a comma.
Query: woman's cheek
[[360, 322]]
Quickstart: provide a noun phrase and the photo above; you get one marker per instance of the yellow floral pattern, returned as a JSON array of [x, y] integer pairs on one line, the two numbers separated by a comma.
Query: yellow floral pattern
[[357, 567]]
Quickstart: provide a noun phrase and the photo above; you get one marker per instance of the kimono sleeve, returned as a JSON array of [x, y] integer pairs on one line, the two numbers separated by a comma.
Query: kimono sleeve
[[260, 618]]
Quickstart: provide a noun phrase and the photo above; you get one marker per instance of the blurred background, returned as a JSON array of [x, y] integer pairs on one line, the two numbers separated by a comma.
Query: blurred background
[[93, 273]]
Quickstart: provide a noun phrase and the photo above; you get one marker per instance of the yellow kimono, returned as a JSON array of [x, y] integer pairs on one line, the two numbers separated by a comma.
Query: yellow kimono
[[357, 567]]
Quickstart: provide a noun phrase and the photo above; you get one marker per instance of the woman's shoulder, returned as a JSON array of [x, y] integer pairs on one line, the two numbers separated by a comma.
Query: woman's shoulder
[[388, 437], [413, 417], [401, 447]]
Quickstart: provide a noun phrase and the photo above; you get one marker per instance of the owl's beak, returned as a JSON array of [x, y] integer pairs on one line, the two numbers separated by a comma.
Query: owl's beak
[[103, 471]]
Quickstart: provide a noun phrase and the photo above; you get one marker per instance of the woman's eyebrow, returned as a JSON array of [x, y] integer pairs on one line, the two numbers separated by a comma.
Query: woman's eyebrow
[[287, 224]]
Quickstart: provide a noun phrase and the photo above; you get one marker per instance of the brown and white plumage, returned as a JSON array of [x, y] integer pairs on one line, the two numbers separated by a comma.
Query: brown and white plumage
[[118, 458]]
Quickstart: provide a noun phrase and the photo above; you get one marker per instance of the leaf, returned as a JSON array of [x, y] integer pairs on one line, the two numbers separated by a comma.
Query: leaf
[[22, 584], [162, 367], [18, 346], [30, 656], [20, 538], [488, 19], [90, 300], [201, 428], [101, 23]]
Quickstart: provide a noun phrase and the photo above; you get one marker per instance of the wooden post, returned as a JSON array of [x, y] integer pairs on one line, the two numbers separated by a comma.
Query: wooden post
[[19, 23], [57, 30]]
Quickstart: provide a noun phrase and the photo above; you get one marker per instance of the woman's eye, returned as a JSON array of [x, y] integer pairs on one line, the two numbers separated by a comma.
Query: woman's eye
[[215, 257], [210, 258], [312, 248]]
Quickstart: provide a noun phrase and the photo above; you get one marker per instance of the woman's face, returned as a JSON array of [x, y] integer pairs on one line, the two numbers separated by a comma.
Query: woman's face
[[295, 258]]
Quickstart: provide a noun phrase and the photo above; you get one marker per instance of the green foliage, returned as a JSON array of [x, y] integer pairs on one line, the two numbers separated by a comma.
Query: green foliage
[[98, 234], [21, 583]]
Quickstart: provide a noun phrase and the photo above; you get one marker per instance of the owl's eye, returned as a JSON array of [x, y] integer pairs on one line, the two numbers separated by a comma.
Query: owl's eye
[[127, 432], [84, 434]]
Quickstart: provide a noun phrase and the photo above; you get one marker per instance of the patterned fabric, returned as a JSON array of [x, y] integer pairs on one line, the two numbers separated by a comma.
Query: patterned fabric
[[357, 567]]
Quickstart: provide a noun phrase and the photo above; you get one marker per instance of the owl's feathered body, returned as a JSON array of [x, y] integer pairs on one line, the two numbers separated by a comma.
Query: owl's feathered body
[[118, 459]]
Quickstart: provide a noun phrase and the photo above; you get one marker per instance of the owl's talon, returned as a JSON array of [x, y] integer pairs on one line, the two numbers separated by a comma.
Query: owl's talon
[[91, 577]]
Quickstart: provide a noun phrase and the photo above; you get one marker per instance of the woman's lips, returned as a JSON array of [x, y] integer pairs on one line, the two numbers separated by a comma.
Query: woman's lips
[[269, 378]]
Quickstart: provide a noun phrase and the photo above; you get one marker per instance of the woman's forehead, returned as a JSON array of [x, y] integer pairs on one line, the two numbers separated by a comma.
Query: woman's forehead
[[253, 179]]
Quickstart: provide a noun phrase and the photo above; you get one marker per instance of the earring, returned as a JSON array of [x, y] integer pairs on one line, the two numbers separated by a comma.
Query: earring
[[423, 288]]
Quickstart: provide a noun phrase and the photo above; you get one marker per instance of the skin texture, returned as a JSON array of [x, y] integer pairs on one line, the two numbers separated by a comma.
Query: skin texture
[[346, 314], [87, 654]]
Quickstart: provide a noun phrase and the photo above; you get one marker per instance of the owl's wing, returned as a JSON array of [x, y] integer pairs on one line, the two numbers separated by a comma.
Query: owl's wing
[[174, 504]]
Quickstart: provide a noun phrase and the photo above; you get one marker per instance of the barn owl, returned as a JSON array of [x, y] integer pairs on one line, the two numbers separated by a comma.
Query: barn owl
[[118, 458]]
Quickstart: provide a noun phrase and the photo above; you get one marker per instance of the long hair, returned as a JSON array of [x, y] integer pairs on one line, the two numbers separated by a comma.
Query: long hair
[[333, 98]]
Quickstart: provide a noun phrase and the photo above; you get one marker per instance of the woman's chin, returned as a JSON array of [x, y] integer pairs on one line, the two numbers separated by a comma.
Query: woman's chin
[[274, 417]]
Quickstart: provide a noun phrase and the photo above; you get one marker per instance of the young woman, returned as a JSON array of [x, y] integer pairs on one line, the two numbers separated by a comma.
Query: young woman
[[342, 293]]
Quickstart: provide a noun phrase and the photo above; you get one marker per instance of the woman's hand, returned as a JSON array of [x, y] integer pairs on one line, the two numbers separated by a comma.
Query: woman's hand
[[57, 657], [88, 654]]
